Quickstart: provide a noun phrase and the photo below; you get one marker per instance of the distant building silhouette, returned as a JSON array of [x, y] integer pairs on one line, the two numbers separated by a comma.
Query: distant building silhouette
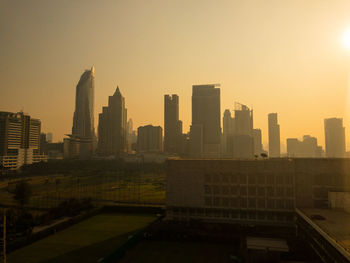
[[274, 136], [83, 120], [258, 147], [131, 136], [83, 137], [239, 138], [149, 139], [334, 137], [306, 148], [112, 133], [205, 131], [49, 137], [19, 140], [43, 143], [172, 124]]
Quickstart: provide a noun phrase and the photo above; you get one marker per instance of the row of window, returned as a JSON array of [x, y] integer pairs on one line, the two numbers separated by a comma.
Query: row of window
[[235, 178], [253, 203], [233, 214], [250, 190]]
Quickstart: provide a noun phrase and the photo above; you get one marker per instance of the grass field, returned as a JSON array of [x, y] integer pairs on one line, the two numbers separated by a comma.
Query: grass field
[[49, 191], [87, 241], [173, 252]]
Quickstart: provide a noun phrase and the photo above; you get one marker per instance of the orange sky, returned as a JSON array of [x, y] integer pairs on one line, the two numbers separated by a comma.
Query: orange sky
[[277, 56]]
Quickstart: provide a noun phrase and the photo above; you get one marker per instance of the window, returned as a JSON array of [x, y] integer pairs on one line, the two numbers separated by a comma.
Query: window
[[251, 190], [242, 178], [207, 178], [289, 191], [216, 178], [279, 179], [234, 202], [225, 202], [234, 178], [207, 201], [261, 203], [217, 201], [225, 190], [252, 179], [279, 191], [207, 189], [243, 202], [280, 204], [261, 191], [216, 189], [243, 190], [289, 204], [270, 191], [270, 179], [261, 179], [234, 190], [225, 178], [270, 203], [251, 203]]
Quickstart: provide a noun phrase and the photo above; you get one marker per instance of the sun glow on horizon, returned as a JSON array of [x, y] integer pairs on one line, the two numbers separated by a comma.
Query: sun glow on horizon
[[346, 39]]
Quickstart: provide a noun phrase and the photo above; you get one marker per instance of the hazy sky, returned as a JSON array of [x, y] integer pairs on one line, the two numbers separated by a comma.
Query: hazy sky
[[277, 56]]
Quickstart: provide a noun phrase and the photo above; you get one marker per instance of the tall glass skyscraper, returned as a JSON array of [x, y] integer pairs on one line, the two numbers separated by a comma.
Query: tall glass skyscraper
[[83, 119], [81, 143]]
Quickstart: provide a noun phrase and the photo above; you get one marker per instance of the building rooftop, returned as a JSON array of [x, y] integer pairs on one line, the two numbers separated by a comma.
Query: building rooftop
[[333, 225]]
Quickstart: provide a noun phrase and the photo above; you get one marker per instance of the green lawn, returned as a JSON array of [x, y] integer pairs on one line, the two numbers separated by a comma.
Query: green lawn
[[174, 252], [49, 191], [87, 241]]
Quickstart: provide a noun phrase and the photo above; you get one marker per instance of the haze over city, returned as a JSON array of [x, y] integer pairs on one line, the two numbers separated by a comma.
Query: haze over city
[[274, 56]]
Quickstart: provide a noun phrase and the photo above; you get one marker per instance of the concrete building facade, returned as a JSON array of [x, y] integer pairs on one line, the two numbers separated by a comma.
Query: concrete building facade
[[19, 140], [251, 191]]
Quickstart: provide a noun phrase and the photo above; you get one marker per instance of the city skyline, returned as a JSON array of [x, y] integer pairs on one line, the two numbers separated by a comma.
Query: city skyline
[[314, 62]]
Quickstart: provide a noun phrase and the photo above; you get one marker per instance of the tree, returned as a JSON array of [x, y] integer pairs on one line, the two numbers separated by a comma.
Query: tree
[[263, 155], [22, 192]]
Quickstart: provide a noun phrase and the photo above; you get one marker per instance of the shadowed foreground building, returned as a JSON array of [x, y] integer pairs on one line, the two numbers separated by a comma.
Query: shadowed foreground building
[[19, 140], [251, 191], [112, 127]]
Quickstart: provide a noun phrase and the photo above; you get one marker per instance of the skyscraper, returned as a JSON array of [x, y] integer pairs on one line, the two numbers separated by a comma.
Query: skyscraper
[[131, 136], [19, 140], [258, 148], [205, 131], [334, 137], [112, 133], [274, 136], [306, 148], [172, 124], [83, 119], [81, 143], [238, 134], [149, 139]]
